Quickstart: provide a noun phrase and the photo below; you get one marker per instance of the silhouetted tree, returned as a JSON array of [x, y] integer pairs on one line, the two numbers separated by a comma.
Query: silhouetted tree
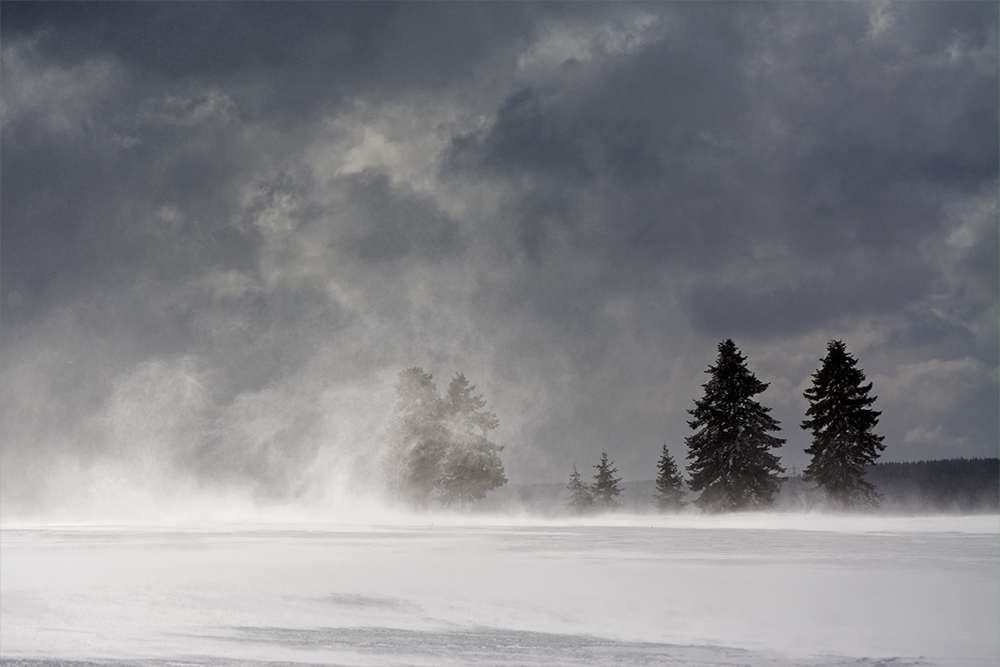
[[731, 462], [605, 486], [842, 424], [580, 499], [439, 446], [669, 483]]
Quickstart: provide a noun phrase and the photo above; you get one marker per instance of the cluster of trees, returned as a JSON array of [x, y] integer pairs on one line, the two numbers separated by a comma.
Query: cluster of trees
[[601, 495], [439, 450], [732, 464], [438, 445]]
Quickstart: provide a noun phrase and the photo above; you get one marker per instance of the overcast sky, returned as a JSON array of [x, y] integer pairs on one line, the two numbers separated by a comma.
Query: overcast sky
[[226, 228]]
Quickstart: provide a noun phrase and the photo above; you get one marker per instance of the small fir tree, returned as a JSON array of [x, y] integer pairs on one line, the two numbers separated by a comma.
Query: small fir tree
[[580, 500], [605, 486], [669, 484], [731, 462], [842, 422]]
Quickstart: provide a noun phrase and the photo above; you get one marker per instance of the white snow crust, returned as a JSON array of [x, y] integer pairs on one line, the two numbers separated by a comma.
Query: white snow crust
[[754, 589]]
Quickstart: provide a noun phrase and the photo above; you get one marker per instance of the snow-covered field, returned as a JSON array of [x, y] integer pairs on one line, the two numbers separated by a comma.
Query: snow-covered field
[[759, 589]]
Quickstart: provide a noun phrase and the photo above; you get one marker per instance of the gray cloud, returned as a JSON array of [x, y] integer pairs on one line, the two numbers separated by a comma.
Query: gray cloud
[[226, 242], [772, 305]]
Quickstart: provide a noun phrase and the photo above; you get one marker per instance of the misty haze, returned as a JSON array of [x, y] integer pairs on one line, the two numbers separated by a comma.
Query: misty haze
[[376, 333]]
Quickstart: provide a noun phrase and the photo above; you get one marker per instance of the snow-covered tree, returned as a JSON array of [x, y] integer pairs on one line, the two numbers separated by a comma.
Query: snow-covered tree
[[417, 436], [605, 486], [842, 422], [669, 483], [731, 462], [580, 499], [439, 449], [471, 467], [465, 410]]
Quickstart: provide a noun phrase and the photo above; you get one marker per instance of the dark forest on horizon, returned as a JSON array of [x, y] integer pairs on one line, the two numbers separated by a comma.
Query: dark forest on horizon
[[964, 485]]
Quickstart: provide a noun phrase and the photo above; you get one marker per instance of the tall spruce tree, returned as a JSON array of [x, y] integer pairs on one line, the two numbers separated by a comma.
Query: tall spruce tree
[[580, 500], [842, 422], [605, 486], [731, 462], [669, 484]]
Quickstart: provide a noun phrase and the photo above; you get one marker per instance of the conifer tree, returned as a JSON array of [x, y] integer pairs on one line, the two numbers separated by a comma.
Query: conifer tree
[[605, 486], [465, 409], [842, 422], [417, 435], [580, 499], [669, 483], [471, 467], [731, 462]]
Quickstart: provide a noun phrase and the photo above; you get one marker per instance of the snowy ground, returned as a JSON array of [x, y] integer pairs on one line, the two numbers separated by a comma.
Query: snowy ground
[[737, 590]]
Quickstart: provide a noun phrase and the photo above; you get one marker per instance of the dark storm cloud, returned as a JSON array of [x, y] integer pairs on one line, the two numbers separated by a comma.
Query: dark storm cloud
[[288, 61], [789, 308], [183, 111], [798, 129], [842, 141], [271, 208]]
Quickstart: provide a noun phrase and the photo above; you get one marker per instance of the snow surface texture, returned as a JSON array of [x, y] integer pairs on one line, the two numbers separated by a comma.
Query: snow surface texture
[[733, 590]]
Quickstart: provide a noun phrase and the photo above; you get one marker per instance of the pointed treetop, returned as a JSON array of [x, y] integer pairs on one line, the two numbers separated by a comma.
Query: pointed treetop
[[730, 375], [467, 407], [415, 386]]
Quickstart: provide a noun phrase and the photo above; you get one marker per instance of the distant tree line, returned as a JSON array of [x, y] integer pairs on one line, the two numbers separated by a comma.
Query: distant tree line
[[732, 465], [960, 485]]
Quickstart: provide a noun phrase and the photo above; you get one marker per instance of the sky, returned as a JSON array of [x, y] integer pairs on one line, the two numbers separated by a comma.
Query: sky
[[227, 227]]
